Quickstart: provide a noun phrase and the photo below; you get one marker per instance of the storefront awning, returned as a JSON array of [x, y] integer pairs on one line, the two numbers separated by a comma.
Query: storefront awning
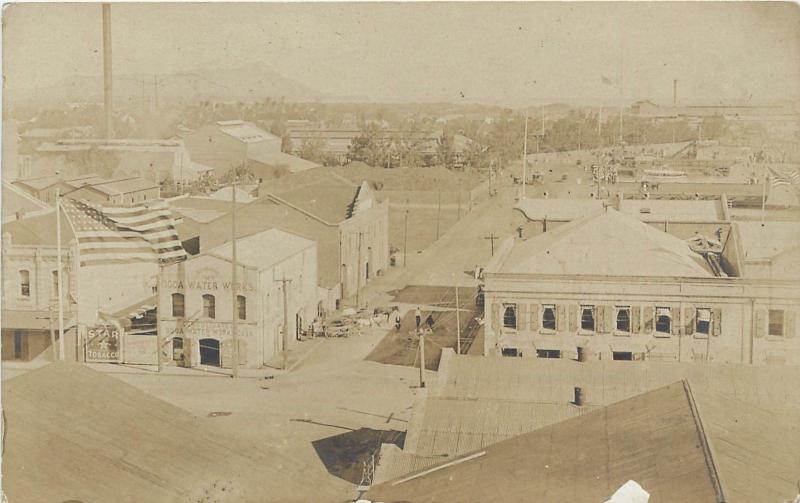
[[18, 319]]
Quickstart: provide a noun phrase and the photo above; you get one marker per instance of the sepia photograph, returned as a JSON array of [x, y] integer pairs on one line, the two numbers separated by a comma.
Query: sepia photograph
[[400, 252]]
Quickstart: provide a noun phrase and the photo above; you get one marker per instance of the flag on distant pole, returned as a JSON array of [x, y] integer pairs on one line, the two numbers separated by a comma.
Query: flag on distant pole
[[124, 234], [784, 177]]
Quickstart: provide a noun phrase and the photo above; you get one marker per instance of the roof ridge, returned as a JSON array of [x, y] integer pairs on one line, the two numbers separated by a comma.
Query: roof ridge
[[708, 453]]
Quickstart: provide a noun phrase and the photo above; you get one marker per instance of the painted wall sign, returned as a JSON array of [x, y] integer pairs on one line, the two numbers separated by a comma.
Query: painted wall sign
[[103, 344]]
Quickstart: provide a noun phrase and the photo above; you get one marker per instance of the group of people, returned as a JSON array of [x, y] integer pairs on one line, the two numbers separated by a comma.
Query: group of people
[[607, 173], [396, 318]]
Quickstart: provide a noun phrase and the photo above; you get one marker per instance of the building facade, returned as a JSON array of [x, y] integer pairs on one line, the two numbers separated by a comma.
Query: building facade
[[30, 297], [643, 296], [276, 288]]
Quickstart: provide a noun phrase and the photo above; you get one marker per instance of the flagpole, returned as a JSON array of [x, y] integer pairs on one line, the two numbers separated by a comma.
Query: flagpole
[[764, 198], [525, 158], [60, 276], [234, 303]]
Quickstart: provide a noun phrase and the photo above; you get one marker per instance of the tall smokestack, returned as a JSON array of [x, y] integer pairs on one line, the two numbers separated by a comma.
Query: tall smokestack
[[675, 93], [108, 100]]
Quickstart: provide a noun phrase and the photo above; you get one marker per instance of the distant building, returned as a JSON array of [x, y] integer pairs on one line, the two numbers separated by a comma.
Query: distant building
[[230, 144], [155, 160], [127, 190], [609, 286], [349, 225], [17, 202], [198, 307]]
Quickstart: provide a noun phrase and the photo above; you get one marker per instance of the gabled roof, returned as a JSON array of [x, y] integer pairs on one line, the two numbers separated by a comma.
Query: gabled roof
[[264, 249], [677, 444], [319, 192], [65, 421], [607, 243], [39, 229], [16, 200]]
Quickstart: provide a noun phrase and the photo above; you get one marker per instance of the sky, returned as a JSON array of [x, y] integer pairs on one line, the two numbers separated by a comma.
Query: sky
[[499, 53]]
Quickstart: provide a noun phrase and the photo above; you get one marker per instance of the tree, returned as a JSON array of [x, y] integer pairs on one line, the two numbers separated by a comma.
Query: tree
[[444, 149]]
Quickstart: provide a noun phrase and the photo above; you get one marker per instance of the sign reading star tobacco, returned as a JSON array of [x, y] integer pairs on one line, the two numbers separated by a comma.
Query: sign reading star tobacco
[[103, 344]]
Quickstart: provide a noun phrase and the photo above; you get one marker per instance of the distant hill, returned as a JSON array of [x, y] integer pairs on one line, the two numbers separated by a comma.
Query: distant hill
[[250, 82]]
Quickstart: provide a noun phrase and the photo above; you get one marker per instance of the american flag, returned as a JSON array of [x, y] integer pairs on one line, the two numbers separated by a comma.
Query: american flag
[[784, 177], [124, 234]]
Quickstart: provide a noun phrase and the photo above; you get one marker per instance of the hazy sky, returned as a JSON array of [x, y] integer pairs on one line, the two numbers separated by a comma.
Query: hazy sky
[[467, 52]]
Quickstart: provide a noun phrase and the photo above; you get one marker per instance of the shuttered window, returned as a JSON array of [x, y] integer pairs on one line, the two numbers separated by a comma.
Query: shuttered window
[[549, 316], [775, 322], [663, 320], [587, 318], [509, 316], [703, 323], [623, 319]]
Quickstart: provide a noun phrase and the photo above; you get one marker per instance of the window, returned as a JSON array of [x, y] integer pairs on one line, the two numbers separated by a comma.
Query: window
[[775, 322], [510, 316], [25, 283], [548, 353], [511, 352], [587, 318], [702, 323], [623, 355], [54, 284], [241, 307], [178, 305], [209, 306], [624, 319], [549, 317], [663, 320]]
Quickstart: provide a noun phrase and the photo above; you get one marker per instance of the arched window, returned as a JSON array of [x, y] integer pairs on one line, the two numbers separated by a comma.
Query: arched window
[[25, 283], [623, 319], [510, 316], [587, 318], [209, 306], [549, 317], [663, 320], [241, 307], [178, 305]]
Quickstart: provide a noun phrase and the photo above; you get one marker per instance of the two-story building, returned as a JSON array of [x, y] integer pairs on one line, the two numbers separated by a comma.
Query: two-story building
[[610, 286], [30, 322], [276, 301]]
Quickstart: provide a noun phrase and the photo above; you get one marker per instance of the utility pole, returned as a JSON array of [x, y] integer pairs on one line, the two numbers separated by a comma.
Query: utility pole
[[159, 314], [234, 297], [525, 158], [60, 280], [421, 332], [52, 331], [108, 101], [458, 325], [492, 237], [405, 237], [358, 272], [459, 198], [283, 282], [438, 213]]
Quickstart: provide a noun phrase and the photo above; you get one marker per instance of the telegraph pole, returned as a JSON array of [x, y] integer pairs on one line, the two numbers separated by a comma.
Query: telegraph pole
[[438, 213], [421, 357], [525, 158], [108, 101], [60, 280], [234, 297], [405, 237], [458, 325], [283, 282], [492, 237]]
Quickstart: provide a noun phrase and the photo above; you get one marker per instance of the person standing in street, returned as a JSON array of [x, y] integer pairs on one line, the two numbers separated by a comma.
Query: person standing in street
[[418, 315], [396, 315]]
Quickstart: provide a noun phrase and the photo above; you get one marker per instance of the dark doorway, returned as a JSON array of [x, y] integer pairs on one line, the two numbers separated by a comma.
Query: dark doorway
[[177, 349], [209, 352], [366, 272]]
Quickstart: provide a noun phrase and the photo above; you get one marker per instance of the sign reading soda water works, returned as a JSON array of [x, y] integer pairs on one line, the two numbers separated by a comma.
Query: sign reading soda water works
[[103, 344]]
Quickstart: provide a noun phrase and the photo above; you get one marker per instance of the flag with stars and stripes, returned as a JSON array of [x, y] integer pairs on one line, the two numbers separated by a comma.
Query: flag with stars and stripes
[[784, 177], [124, 234]]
